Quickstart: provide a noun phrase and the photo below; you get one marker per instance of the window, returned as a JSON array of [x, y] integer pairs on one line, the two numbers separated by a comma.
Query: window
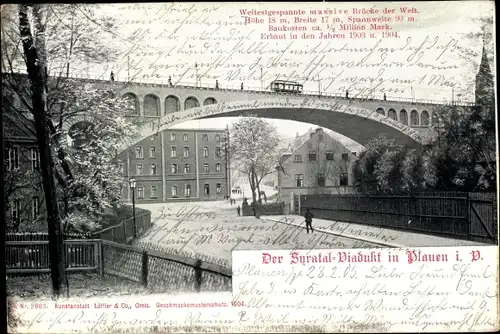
[[121, 167], [299, 180], [204, 137], [174, 191], [173, 169], [154, 192], [187, 168], [354, 153], [153, 169], [206, 189], [329, 155], [35, 159], [173, 152], [138, 169], [187, 190], [173, 137], [152, 152], [16, 211], [140, 192], [186, 152], [345, 156], [217, 167], [217, 138], [217, 152], [206, 169], [218, 189], [13, 158], [297, 158], [185, 137], [321, 180], [344, 180], [35, 207], [205, 152], [312, 156], [139, 154]]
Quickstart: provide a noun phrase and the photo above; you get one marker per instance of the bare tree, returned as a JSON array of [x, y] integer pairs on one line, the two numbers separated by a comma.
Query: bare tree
[[33, 42], [254, 144]]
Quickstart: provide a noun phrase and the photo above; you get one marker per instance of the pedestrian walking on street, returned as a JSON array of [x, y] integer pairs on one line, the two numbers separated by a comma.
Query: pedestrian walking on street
[[309, 218], [238, 209], [385, 97], [112, 76], [170, 81], [242, 86], [216, 84]]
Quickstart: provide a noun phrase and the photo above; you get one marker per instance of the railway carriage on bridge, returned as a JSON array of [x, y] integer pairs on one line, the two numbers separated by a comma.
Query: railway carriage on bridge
[[282, 86]]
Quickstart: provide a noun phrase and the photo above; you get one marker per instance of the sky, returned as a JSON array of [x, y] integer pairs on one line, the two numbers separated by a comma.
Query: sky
[[153, 41]]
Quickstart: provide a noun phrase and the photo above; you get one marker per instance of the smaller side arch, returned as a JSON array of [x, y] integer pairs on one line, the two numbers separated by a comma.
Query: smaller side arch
[[209, 100], [172, 104], [82, 133], [424, 118], [191, 102], [435, 120], [403, 117], [414, 118], [151, 105], [134, 100], [391, 113], [381, 111]]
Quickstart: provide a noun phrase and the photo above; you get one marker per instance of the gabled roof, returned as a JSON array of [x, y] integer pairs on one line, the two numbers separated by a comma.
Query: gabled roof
[[305, 138], [17, 125]]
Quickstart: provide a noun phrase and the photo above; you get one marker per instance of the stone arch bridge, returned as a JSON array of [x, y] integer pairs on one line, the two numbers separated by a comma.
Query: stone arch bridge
[[160, 106]]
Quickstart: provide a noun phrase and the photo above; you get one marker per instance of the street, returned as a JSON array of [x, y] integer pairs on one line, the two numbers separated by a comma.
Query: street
[[212, 230]]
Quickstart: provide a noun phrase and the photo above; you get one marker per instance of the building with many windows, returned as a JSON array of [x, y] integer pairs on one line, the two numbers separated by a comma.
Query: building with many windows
[[23, 196], [319, 165], [178, 165]]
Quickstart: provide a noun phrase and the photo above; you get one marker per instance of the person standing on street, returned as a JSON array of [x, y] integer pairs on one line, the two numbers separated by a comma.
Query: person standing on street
[[309, 216], [238, 210]]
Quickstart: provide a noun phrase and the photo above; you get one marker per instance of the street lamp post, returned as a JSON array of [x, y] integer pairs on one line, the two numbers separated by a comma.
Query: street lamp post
[[132, 187]]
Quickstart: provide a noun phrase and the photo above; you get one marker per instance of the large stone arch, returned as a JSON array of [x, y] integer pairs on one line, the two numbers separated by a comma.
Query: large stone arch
[[191, 102], [135, 104], [359, 124], [151, 106], [172, 104]]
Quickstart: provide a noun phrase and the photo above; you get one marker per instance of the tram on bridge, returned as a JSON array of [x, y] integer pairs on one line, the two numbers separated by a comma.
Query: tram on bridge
[[282, 86]]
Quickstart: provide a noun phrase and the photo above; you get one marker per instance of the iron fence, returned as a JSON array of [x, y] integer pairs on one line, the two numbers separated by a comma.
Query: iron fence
[[462, 215], [160, 272], [124, 231], [27, 257]]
